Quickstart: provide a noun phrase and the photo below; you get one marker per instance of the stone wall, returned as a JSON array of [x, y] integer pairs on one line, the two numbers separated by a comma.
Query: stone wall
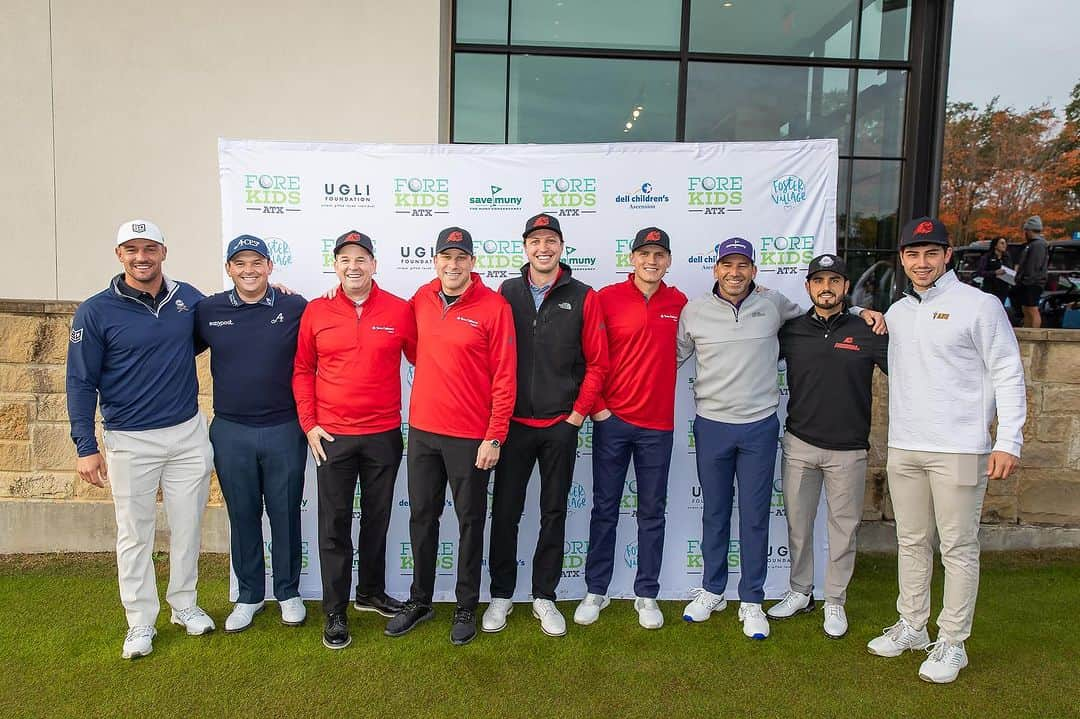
[[44, 505]]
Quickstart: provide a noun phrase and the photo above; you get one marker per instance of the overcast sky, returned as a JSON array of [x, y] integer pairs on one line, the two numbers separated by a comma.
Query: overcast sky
[[1025, 52]]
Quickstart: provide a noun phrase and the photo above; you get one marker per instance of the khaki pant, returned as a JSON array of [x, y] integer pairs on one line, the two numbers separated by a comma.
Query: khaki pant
[[805, 469], [942, 491], [178, 459]]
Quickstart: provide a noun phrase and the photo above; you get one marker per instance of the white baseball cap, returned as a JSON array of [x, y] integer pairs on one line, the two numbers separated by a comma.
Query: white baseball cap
[[139, 230]]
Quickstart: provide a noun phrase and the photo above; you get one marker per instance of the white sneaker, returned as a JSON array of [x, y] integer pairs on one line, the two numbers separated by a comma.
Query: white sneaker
[[139, 641], [944, 663], [754, 622], [194, 620], [551, 619], [898, 639], [649, 615], [588, 611], [702, 604], [293, 612], [792, 603], [242, 616], [494, 619], [835, 623]]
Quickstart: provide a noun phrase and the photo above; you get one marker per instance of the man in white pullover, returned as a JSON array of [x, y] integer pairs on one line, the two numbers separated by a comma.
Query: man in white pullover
[[953, 361]]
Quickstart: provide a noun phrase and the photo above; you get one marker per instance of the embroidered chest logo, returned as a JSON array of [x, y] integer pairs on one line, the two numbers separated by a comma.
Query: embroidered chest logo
[[382, 328], [757, 314], [474, 323], [669, 317], [565, 306], [847, 344], [180, 306], [220, 323], [280, 318], [941, 315]]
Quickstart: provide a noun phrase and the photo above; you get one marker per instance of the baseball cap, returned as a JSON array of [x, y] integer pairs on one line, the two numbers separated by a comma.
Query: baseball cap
[[454, 238], [247, 242], [1033, 223], [139, 230], [827, 263], [354, 237], [735, 246], [651, 236], [924, 231], [543, 221]]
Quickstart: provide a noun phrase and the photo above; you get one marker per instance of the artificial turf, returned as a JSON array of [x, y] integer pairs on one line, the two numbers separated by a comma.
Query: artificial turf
[[61, 627]]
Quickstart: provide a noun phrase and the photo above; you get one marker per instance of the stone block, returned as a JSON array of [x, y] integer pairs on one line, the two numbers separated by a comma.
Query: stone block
[[1060, 398], [52, 447], [874, 499], [216, 498], [52, 408], [87, 491], [202, 369], [15, 420], [1003, 487], [35, 339], [37, 485], [24, 379], [999, 510], [15, 456], [1044, 454], [1061, 363], [1054, 427], [1049, 501], [53, 340]]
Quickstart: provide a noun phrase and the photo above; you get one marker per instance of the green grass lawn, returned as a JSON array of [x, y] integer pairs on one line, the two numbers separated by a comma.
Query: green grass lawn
[[61, 627]]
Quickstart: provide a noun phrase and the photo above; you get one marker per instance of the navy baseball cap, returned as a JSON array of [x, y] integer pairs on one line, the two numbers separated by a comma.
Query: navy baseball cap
[[353, 237], [543, 221], [651, 236], [735, 246], [827, 263], [924, 231], [454, 238], [247, 242]]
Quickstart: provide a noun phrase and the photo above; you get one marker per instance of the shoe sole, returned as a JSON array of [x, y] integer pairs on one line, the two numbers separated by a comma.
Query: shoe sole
[[190, 633], [300, 623], [335, 647], [256, 613], [367, 608], [550, 634], [136, 655], [835, 636], [501, 626], [462, 642], [603, 606], [430, 613], [719, 608], [805, 610], [898, 654]]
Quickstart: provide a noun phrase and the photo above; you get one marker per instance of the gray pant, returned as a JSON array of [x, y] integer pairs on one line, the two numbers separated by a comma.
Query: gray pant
[[804, 470]]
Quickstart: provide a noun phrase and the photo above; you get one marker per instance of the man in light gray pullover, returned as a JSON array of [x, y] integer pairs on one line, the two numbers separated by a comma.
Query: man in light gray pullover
[[733, 330]]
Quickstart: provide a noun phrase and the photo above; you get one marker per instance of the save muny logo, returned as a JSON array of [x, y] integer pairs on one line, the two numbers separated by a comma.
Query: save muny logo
[[496, 199], [272, 194], [569, 196], [421, 196], [714, 194], [578, 260], [788, 191]]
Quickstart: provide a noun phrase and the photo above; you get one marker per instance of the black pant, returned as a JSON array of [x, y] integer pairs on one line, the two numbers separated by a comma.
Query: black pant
[[435, 459], [374, 459], [555, 448]]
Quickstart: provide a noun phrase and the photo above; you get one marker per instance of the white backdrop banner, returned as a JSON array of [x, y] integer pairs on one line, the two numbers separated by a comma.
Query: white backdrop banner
[[779, 195]]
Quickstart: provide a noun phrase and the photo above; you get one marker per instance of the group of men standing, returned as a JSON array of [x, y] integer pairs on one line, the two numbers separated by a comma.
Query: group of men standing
[[504, 380]]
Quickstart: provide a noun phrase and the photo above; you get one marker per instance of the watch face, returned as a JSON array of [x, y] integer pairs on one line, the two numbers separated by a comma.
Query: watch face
[[496, 443]]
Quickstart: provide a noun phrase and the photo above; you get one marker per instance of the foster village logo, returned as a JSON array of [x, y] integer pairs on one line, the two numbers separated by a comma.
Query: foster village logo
[[280, 252], [569, 196], [644, 197], [272, 194], [714, 194], [630, 553], [576, 499], [496, 199], [788, 191], [347, 194], [421, 196]]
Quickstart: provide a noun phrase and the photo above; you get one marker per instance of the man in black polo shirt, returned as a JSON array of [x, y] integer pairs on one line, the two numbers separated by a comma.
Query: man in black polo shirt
[[259, 448], [562, 361], [830, 356]]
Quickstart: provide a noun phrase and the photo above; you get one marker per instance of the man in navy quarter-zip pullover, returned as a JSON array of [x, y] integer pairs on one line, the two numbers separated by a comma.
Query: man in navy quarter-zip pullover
[[259, 448], [132, 351]]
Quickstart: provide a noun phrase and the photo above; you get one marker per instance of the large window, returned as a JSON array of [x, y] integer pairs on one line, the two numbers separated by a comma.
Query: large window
[[701, 70]]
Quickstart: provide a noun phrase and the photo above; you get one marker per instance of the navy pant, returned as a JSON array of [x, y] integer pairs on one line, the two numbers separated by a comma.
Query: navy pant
[[259, 466], [615, 442], [726, 454]]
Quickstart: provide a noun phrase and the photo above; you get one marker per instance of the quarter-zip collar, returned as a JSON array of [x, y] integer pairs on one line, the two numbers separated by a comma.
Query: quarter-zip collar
[[633, 286], [829, 323], [346, 302], [125, 292], [941, 285], [267, 299], [435, 287]]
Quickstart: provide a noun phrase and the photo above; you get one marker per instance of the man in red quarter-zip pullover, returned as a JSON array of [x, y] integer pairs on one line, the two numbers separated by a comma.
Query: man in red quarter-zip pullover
[[462, 398], [635, 417], [347, 385]]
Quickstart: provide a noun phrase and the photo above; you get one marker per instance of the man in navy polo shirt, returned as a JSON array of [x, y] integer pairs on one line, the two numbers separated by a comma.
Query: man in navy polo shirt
[[259, 448], [132, 348]]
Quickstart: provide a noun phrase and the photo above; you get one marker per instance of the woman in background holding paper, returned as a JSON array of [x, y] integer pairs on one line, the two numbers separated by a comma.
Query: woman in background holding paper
[[996, 269]]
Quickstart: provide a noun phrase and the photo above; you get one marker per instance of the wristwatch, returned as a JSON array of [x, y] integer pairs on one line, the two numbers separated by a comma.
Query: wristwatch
[[495, 443]]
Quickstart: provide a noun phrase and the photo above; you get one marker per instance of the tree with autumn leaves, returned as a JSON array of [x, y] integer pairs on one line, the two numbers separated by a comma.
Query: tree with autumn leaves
[[1001, 165]]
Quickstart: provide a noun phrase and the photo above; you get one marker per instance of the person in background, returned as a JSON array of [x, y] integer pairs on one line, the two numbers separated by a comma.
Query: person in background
[[1031, 271], [991, 268]]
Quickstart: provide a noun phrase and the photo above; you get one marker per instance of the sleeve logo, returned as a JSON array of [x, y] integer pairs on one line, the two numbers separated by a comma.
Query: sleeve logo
[[76, 336]]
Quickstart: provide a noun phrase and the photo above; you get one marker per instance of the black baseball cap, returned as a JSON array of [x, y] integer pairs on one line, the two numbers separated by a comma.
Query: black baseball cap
[[651, 236], [924, 231], [543, 221], [454, 238], [354, 237], [827, 263]]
